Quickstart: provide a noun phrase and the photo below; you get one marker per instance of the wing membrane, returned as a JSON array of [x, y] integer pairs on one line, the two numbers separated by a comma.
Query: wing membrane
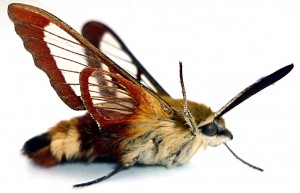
[[119, 101], [104, 38], [64, 55], [61, 59], [106, 97]]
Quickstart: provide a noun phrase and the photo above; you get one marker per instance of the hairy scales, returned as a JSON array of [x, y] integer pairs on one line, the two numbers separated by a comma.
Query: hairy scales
[[159, 141], [150, 140]]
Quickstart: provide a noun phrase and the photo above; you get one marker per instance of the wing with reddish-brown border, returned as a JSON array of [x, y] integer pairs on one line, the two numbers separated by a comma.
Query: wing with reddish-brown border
[[66, 57], [108, 42], [112, 99]]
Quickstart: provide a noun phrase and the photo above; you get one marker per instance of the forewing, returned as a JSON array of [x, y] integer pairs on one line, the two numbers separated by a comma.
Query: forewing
[[54, 48], [108, 42], [63, 54]]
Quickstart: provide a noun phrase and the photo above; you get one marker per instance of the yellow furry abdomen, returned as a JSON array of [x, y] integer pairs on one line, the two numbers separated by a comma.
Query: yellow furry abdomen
[[65, 140]]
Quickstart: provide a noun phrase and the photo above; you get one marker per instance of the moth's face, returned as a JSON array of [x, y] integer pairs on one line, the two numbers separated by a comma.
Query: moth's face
[[215, 133]]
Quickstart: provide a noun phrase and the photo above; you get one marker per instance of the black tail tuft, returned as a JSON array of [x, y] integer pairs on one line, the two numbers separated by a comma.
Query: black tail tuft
[[36, 143]]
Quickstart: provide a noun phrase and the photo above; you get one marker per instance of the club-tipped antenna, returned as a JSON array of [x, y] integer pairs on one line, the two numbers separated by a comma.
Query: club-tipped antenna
[[254, 88]]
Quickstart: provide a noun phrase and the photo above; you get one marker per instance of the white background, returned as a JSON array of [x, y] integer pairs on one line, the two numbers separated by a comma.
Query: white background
[[224, 45]]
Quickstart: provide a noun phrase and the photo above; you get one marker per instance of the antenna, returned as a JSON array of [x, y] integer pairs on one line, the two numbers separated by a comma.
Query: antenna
[[244, 162]]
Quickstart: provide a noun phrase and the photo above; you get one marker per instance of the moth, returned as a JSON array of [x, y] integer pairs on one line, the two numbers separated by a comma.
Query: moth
[[130, 118]]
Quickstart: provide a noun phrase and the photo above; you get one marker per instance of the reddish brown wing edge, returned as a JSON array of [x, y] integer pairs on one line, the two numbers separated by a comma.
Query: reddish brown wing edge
[[122, 109], [21, 13], [94, 31]]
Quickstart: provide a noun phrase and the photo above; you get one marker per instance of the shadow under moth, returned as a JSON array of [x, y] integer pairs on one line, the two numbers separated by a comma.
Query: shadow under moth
[[130, 118]]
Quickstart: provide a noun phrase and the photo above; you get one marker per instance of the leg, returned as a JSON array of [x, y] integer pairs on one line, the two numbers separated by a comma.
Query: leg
[[117, 170]]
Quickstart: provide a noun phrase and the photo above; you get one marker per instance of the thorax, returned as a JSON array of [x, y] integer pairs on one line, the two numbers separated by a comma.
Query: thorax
[[160, 142]]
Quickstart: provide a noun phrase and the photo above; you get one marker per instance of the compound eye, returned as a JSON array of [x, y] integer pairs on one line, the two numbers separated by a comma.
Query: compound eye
[[210, 129]]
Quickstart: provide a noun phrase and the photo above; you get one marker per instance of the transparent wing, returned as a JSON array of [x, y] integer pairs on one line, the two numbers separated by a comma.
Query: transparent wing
[[63, 54], [111, 99], [108, 42]]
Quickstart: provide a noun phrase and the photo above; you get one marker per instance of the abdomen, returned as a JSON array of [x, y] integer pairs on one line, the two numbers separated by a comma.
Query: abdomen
[[76, 139]]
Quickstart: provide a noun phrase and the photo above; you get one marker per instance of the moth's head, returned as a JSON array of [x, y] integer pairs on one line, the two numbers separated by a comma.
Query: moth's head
[[213, 127], [214, 131]]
